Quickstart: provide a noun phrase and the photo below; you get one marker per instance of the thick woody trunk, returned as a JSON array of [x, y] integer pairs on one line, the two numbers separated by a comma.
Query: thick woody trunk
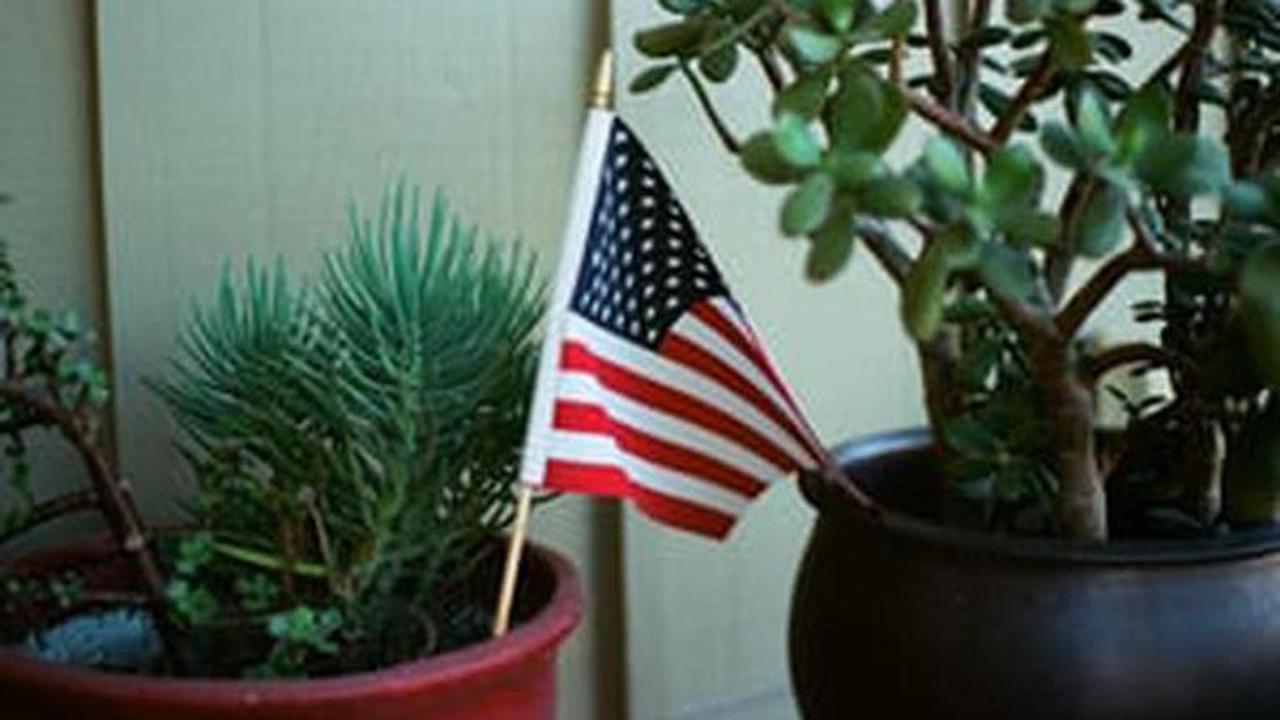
[[1082, 500]]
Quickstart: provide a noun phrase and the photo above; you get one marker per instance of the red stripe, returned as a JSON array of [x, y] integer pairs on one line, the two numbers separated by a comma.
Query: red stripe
[[576, 356], [750, 349], [609, 480], [701, 361], [589, 418]]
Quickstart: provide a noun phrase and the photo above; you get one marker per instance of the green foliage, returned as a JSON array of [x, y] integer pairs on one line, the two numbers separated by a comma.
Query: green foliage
[[46, 359], [989, 289], [355, 440]]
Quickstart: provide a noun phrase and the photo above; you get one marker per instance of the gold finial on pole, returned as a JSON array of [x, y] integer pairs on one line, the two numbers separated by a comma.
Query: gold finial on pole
[[602, 88]]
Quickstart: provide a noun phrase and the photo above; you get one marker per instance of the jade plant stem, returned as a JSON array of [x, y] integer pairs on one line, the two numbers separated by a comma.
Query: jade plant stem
[[109, 493]]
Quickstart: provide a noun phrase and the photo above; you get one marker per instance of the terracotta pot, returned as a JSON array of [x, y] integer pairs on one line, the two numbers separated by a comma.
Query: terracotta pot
[[894, 615], [503, 679]]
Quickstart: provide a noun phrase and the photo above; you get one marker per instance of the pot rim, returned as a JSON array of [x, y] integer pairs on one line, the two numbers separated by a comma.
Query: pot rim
[[473, 665], [862, 450]]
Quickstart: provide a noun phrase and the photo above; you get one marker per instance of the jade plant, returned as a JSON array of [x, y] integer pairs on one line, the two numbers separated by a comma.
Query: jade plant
[[353, 440], [52, 386], [1171, 169]]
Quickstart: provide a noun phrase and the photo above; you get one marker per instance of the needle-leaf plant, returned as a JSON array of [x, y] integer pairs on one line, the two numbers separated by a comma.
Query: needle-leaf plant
[[354, 441], [1171, 168]]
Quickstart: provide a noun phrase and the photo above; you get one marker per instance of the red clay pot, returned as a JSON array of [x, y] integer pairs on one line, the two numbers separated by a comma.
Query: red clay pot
[[511, 678]]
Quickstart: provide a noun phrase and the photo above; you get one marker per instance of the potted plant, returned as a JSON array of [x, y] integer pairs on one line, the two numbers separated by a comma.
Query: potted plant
[[1022, 561], [353, 444]]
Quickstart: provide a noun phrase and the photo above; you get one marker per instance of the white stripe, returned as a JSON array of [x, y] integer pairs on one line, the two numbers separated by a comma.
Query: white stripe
[[642, 361], [729, 311], [595, 141], [692, 328], [734, 314], [585, 388], [601, 450]]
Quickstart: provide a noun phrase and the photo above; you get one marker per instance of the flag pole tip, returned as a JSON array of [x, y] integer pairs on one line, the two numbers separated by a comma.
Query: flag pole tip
[[602, 87]]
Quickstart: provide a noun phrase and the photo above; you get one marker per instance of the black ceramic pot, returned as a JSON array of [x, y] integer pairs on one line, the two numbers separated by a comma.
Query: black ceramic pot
[[895, 616]]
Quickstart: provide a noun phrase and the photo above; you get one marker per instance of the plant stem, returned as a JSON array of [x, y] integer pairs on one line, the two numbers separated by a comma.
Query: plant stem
[[951, 123], [1136, 352], [704, 101], [1030, 91], [970, 56], [769, 66], [1186, 108], [112, 494], [1098, 287], [943, 74], [1060, 259], [1082, 501], [884, 248], [43, 512]]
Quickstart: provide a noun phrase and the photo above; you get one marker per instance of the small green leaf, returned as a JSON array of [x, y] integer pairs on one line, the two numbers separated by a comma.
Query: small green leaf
[[678, 38], [808, 205], [1013, 177], [650, 78], [839, 13], [896, 20], [924, 293], [853, 168], [1094, 124], [866, 112], [760, 157], [804, 97], [1069, 43], [1074, 7], [719, 64], [1260, 310], [795, 141], [1029, 227], [1008, 271], [1144, 119], [947, 165], [1025, 11], [831, 248], [811, 45], [683, 7], [889, 196], [1184, 165], [1063, 145], [1101, 226]]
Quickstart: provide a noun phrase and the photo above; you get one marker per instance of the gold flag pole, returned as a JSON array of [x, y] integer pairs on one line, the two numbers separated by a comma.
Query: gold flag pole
[[601, 98]]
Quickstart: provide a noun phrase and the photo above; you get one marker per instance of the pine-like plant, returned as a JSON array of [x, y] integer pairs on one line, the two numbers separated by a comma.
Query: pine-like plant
[[355, 442], [1172, 169]]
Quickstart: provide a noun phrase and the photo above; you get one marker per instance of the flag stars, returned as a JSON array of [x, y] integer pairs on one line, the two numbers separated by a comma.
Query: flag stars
[[644, 264]]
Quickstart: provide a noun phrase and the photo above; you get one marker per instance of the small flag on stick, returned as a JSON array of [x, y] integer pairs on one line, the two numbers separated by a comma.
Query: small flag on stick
[[652, 385]]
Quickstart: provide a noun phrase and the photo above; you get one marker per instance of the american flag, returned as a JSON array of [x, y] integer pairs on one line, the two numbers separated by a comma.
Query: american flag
[[653, 384]]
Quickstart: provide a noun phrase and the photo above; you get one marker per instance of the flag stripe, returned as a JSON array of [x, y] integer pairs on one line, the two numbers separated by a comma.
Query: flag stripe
[[593, 418], [586, 388], [710, 354], [577, 356], [729, 329], [646, 363], [696, 358], [608, 480], [601, 450], [723, 317]]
